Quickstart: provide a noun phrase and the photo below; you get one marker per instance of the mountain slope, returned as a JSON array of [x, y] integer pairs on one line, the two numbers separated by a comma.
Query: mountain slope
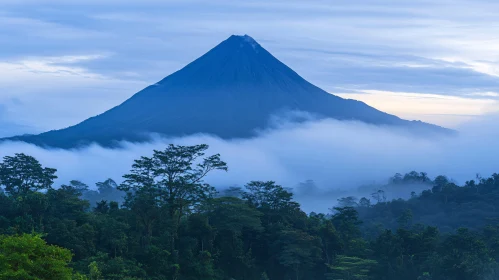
[[230, 91]]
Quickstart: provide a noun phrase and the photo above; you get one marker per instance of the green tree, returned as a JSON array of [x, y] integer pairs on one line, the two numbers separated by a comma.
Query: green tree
[[346, 221], [364, 202], [22, 174], [322, 227], [107, 187], [175, 176], [439, 182], [264, 276], [349, 201], [396, 179], [169, 184], [299, 251], [405, 219], [29, 257], [78, 185], [350, 268], [94, 272], [273, 200], [425, 276], [379, 195], [67, 221], [231, 219], [464, 256]]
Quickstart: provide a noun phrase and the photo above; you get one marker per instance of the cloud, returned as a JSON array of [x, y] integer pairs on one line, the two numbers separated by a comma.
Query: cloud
[[33, 84], [485, 94], [57, 66], [445, 110], [337, 156]]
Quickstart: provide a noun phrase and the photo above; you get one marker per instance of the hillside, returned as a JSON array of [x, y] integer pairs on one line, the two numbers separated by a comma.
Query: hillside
[[230, 92]]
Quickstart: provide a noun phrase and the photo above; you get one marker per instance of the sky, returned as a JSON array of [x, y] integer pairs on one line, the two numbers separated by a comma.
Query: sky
[[436, 61], [64, 61]]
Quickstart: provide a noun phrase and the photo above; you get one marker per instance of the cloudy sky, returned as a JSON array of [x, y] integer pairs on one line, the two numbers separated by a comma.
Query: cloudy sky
[[63, 61]]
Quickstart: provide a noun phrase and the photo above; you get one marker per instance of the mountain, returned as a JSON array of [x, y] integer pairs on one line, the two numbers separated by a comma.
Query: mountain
[[231, 91]]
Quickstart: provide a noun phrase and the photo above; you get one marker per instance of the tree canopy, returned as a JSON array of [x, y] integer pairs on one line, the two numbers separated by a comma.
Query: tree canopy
[[165, 222], [28, 256]]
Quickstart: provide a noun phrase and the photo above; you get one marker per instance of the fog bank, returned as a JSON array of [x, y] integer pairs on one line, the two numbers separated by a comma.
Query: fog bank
[[337, 156]]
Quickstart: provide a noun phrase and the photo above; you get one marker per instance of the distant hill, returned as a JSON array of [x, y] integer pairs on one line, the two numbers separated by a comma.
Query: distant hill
[[231, 91]]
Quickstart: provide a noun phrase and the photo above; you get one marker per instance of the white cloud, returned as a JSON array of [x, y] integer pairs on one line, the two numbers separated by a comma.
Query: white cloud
[[58, 83], [444, 110], [338, 156], [486, 67], [55, 66], [485, 94], [43, 68]]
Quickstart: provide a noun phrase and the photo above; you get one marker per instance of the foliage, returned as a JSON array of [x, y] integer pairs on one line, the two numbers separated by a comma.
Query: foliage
[[350, 268], [165, 222], [22, 174], [27, 256]]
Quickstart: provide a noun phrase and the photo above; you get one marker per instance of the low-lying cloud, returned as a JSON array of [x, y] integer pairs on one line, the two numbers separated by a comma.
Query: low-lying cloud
[[337, 156]]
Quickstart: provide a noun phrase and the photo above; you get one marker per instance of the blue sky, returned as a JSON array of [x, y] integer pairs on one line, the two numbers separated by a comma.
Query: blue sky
[[63, 61]]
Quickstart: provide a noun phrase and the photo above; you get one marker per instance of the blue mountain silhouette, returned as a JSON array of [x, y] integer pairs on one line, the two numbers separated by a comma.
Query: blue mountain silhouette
[[231, 92]]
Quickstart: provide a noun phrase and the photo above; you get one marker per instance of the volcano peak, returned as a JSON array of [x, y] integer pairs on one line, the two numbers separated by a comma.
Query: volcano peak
[[244, 37], [241, 42], [231, 91]]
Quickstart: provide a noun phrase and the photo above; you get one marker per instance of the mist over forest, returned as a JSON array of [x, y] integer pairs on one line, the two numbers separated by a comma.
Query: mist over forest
[[164, 221], [340, 158]]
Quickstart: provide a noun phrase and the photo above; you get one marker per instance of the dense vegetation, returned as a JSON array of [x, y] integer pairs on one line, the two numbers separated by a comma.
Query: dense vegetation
[[172, 225]]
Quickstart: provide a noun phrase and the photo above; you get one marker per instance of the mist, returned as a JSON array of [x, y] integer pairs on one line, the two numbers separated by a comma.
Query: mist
[[339, 157]]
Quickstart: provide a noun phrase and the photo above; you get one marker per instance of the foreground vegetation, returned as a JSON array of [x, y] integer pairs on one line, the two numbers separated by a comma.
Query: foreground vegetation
[[172, 225]]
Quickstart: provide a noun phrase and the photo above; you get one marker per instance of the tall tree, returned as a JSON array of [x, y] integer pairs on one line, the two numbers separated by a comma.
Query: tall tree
[[171, 182], [349, 201], [22, 174], [346, 221], [299, 251], [175, 175], [268, 196]]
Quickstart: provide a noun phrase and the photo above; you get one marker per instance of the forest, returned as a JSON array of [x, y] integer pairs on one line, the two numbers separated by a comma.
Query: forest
[[165, 222]]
